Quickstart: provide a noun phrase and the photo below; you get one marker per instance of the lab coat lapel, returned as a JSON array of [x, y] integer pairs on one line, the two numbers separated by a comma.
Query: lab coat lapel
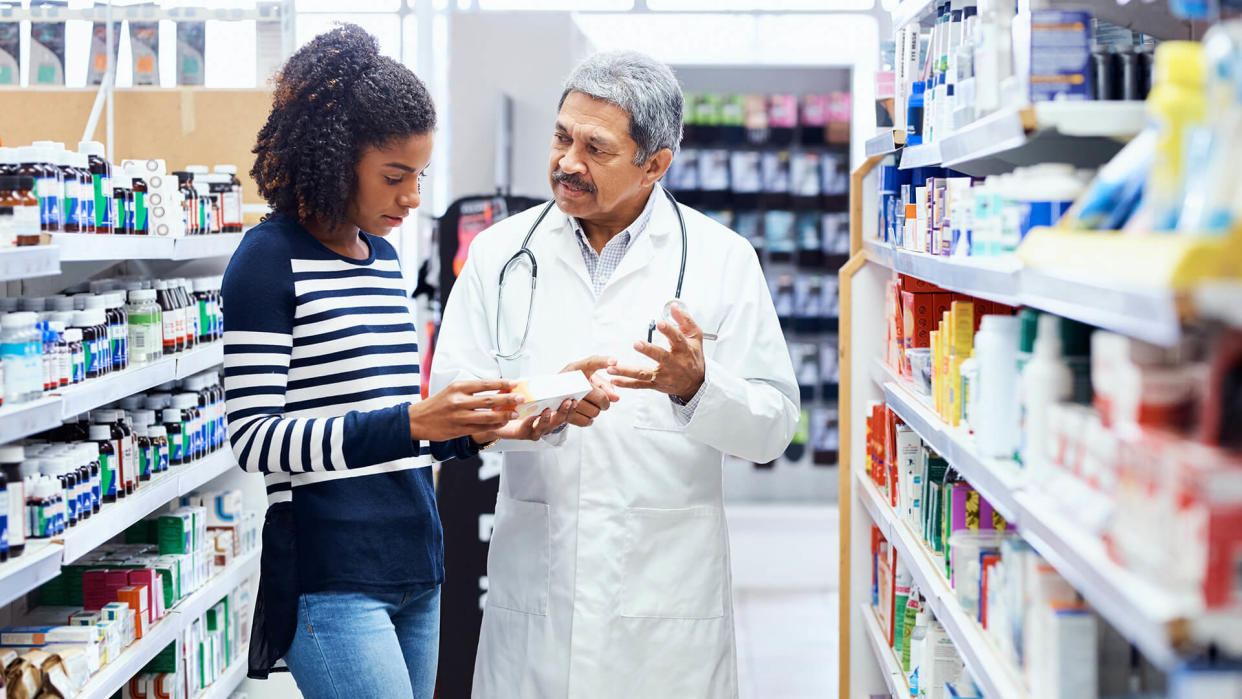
[[662, 225], [568, 252]]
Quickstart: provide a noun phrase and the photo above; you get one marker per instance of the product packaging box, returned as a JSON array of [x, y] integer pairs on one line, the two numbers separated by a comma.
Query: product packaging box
[[34, 636], [79, 661], [138, 598], [548, 392], [150, 579], [1060, 55], [85, 618], [113, 639], [176, 532]]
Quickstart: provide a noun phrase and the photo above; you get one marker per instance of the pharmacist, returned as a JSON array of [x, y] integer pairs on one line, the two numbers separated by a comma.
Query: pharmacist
[[608, 574]]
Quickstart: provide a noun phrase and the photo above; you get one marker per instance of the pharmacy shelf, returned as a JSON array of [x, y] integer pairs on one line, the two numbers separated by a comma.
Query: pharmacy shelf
[[115, 518], [87, 247], [114, 675], [29, 261], [908, 11], [995, 676], [24, 419], [997, 480], [1149, 313], [1142, 612], [39, 563], [263, 12], [1083, 134], [230, 680], [922, 155], [92, 394], [887, 141], [894, 678], [994, 279], [194, 247], [1153, 18]]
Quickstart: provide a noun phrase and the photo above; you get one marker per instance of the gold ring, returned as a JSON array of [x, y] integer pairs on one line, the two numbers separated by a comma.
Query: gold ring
[[653, 375]]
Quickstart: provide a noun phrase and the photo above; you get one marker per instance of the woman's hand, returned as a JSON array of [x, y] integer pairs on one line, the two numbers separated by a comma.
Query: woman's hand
[[532, 428], [456, 411]]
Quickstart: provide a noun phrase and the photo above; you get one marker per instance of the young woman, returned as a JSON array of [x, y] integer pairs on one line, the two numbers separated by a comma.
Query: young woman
[[322, 381]]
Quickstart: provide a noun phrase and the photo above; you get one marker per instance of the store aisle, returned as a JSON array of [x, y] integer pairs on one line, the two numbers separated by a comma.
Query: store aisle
[[786, 614]]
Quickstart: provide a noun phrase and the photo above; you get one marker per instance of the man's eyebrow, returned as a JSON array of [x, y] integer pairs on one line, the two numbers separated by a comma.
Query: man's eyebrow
[[561, 127], [399, 166]]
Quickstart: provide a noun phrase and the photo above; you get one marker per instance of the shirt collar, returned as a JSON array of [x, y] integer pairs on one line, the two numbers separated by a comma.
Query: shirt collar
[[633, 230]]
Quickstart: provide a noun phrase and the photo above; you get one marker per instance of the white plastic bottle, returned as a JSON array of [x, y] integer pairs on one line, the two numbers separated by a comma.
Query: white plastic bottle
[[1046, 379], [995, 415]]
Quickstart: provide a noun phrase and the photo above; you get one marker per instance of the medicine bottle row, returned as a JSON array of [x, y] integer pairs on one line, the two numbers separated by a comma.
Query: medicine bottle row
[[59, 479], [50, 343], [82, 192]]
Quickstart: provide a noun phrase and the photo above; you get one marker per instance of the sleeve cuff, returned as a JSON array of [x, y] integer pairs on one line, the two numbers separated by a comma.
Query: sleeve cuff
[[684, 410]]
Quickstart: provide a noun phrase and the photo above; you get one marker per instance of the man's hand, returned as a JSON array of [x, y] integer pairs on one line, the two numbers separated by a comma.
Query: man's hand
[[679, 371], [532, 428], [602, 394]]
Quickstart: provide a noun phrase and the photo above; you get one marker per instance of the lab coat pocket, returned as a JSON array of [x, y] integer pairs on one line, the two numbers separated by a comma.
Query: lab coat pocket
[[675, 565], [518, 557]]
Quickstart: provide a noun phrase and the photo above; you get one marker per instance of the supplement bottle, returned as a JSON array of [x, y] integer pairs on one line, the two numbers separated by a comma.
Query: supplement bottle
[[90, 453], [101, 185], [159, 447], [146, 331], [186, 317], [142, 442], [204, 301], [189, 201], [175, 429], [123, 196], [11, 458], [77, 353], [232, 205], [129, 461], [86, 192], [70, 204], [121, 346], [27, 221], [139, 189], [102, 436], [64, 361], [191, 431], [35, 164]]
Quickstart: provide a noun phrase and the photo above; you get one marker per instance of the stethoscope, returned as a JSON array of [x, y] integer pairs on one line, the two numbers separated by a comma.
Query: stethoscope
[[525, 253]]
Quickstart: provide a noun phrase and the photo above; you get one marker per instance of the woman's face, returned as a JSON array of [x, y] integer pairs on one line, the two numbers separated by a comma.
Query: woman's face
[[388, 180]]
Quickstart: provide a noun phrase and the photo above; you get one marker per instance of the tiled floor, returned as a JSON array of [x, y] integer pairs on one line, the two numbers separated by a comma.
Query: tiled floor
[[786, 644], [785, 601]]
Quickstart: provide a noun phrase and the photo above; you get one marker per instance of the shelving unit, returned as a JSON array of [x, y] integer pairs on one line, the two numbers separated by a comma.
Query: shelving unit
[[25, 419], [113, 676], [39, 563], [28, 262], [230, 680], [1145, 287]]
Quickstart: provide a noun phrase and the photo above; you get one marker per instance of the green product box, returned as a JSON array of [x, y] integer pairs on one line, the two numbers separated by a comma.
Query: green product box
[[144, 531], [165, 661], [176, 533], [54, 592]]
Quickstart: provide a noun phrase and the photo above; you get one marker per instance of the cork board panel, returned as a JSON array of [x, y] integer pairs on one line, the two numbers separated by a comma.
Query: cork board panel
[[184, 126]]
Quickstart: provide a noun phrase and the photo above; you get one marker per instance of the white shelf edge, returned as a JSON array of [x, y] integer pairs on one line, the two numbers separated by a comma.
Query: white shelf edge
[[218, 586], [114, 675], [995, 479], [92, 394], [894, 677], [199, 359], [39, 563], [882, 143], [908, 11], [921, 155], [990, 671], [193, 247], [92, 247], [1140, 611], [205, 471], [25, 419], [28, 262], [985, 278]]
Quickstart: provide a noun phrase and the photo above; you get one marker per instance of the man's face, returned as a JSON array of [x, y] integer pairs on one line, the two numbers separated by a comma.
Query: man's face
[[592, 170]]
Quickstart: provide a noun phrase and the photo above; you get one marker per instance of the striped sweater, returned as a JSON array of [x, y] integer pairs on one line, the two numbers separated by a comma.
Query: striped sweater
[[320, 368]]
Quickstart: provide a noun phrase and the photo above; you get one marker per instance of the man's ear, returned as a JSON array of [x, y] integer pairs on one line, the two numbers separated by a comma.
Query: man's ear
[[657, 165]]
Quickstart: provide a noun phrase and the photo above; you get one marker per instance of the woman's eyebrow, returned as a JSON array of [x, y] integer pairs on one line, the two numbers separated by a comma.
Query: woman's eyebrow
[[400, 166]]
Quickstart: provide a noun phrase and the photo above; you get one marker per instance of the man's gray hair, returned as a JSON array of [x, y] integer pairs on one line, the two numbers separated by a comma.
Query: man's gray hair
[[643, 88]]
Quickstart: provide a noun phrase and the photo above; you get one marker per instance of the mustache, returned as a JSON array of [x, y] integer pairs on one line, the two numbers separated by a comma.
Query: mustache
[[572, 180]]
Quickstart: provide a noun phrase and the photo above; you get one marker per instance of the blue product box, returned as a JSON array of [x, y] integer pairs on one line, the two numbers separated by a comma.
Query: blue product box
[[1060, 55]]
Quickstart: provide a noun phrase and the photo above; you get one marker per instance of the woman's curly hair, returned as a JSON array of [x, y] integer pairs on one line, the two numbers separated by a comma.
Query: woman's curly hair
[[335, 97]]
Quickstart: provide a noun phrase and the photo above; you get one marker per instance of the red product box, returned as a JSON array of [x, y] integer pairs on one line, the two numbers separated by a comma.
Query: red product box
[[918, 321], [917, 285], [150, 579]]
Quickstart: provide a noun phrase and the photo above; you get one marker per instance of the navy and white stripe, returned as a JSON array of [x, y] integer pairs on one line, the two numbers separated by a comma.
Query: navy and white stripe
[[321, 365]]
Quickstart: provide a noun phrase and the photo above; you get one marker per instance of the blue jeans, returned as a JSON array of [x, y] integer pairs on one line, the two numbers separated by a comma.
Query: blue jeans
[[356, 645]]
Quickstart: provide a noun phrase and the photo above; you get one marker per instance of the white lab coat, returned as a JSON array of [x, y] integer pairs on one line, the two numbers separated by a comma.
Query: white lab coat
[[608, 573]]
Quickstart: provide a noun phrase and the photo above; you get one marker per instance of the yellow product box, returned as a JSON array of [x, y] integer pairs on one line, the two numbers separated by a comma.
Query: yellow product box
[[963, 328]]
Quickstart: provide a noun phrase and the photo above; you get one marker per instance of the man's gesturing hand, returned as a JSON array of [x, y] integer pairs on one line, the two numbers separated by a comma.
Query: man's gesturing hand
[[456, 411], [679, 371], [602, 394]]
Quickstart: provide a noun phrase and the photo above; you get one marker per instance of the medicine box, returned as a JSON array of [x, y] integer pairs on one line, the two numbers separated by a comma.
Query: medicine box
[[42, 635], [85, 618], [548, 392], [1060, 55], [176, 532], [223, 507]]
